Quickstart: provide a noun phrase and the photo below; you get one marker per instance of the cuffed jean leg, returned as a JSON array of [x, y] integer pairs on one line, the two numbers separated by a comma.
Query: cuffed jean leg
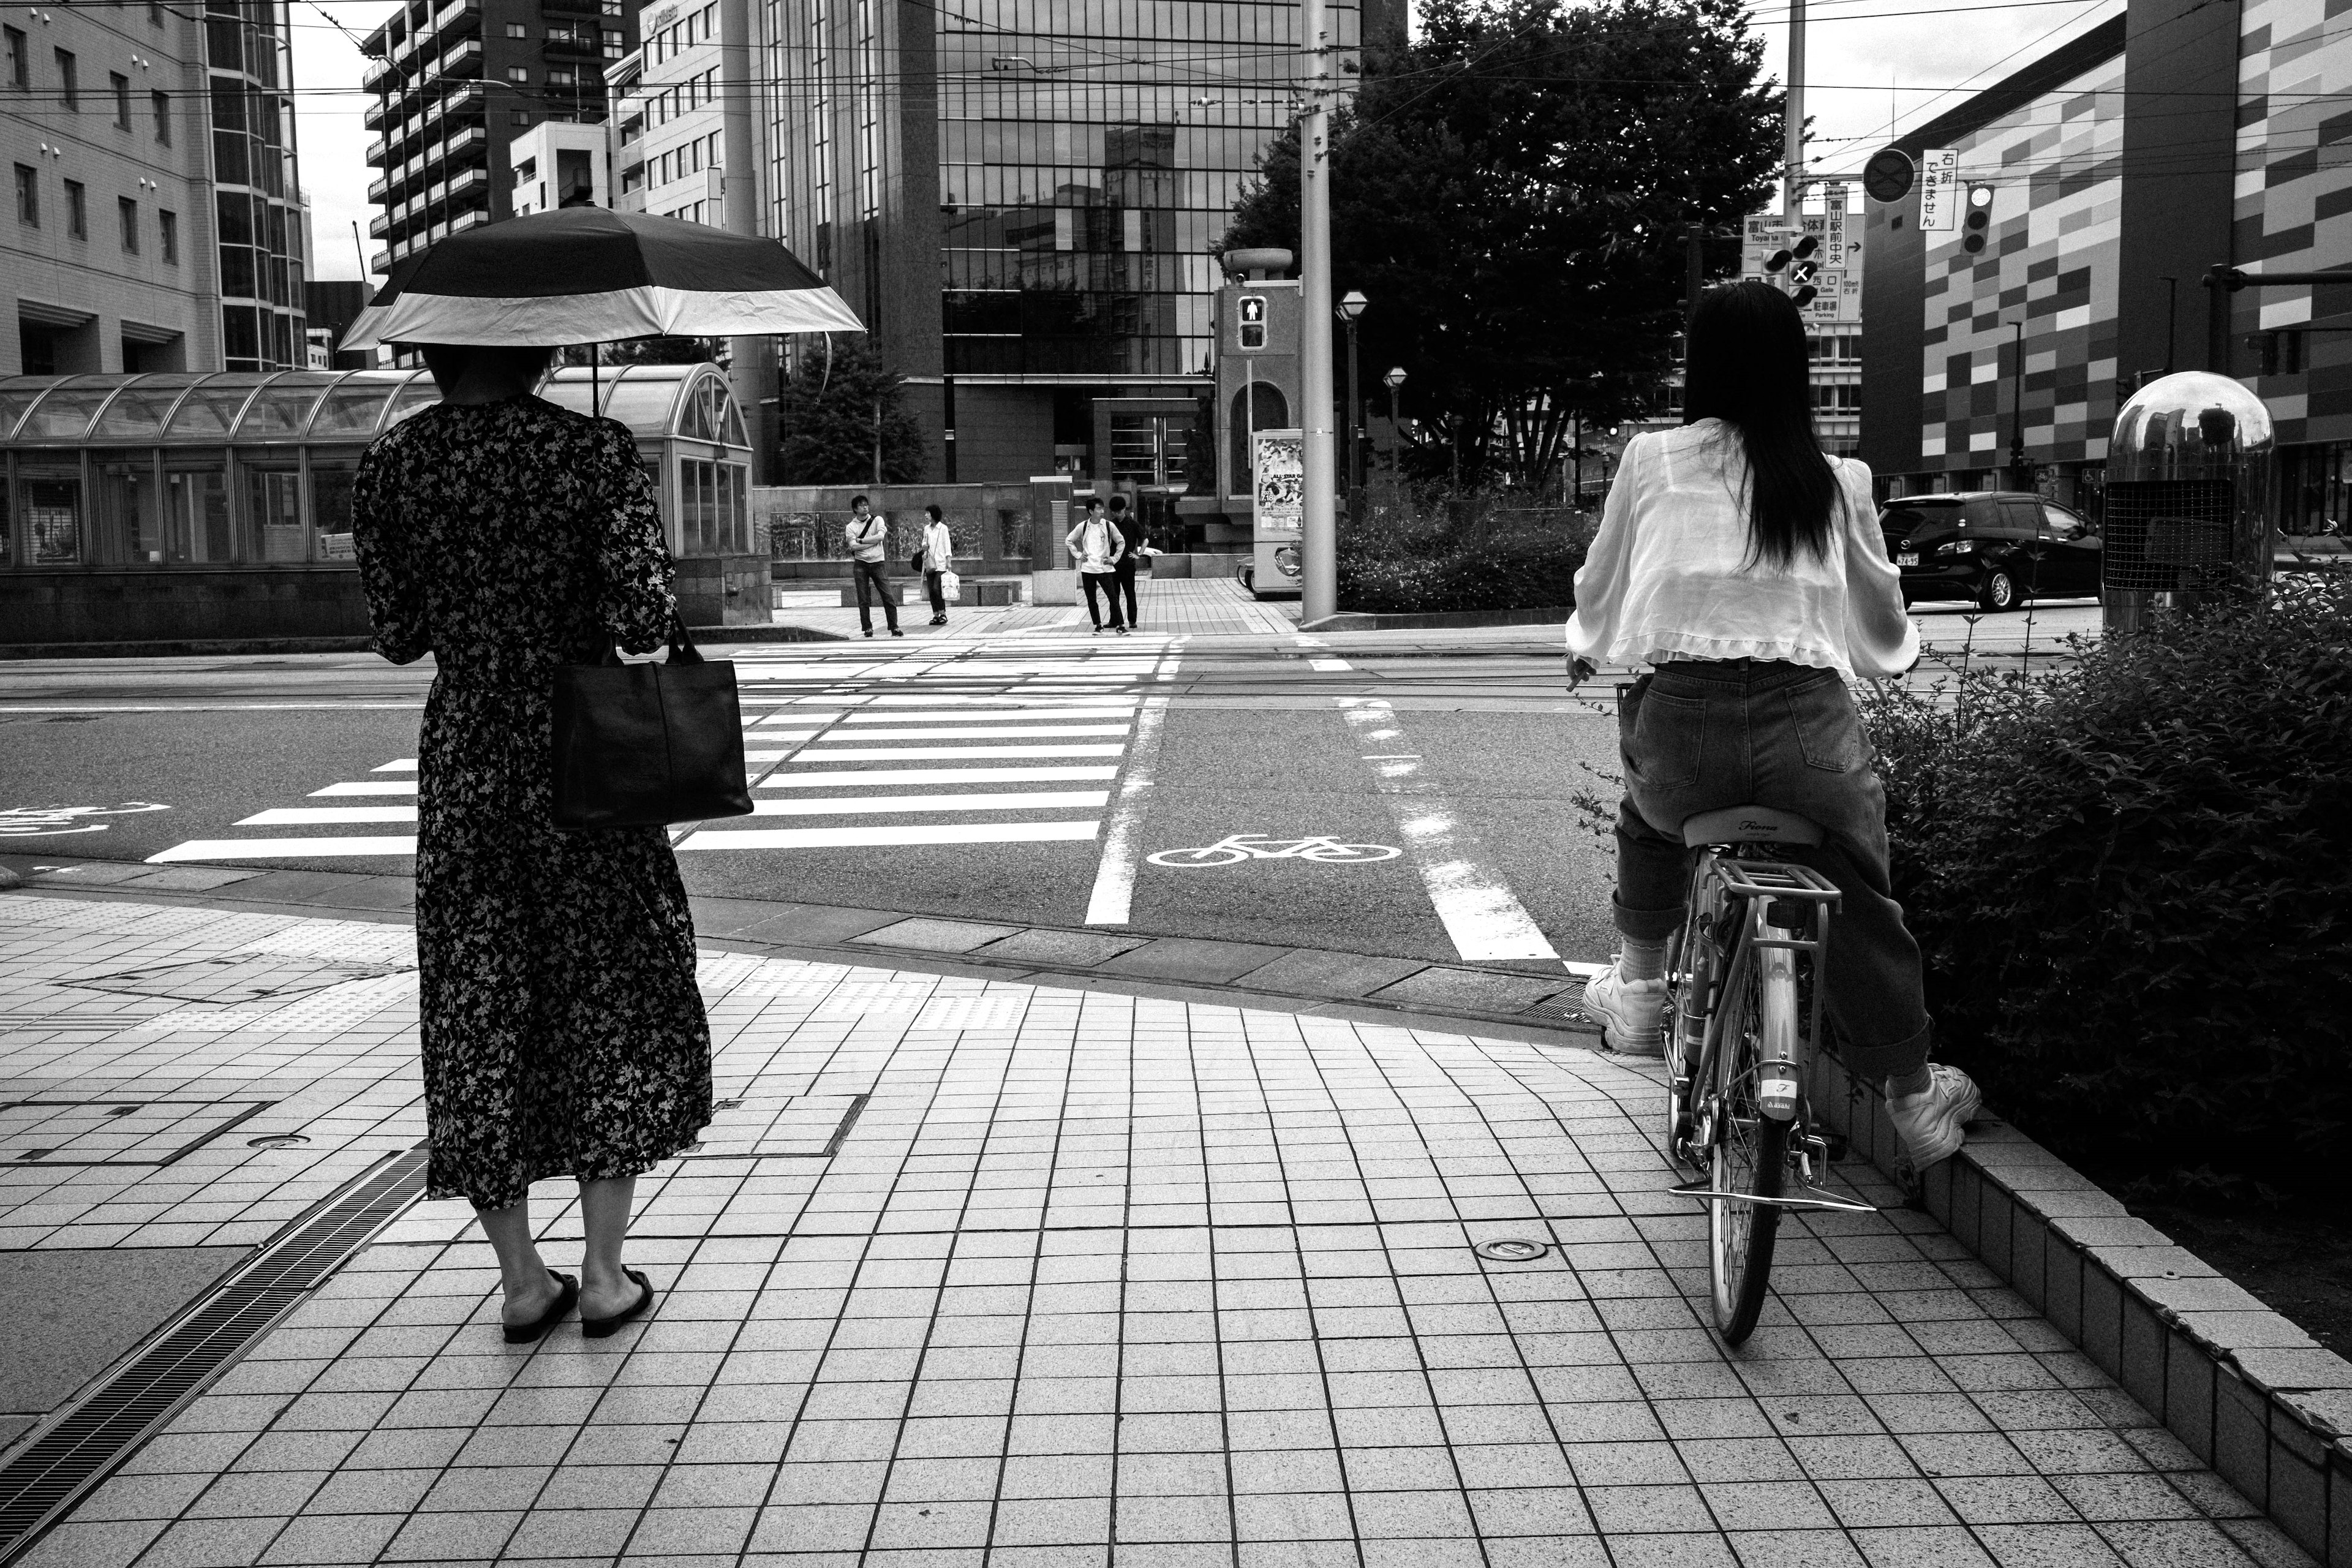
[[1874, 992], [1653, 878]]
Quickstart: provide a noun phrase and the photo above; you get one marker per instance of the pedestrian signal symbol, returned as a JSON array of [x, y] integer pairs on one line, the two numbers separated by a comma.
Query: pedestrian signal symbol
[[1253, 319], [1804, 267]]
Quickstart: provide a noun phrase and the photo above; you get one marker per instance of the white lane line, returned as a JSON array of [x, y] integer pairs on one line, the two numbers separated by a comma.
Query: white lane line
[[1481, 914], [1009, 800], [397, 765], [1005, 732], [385, 786], [967, 716], [320, 815], [1114, 889], [1082, 702], [900, 833], [285, 848], [888, 754], [853, 777]]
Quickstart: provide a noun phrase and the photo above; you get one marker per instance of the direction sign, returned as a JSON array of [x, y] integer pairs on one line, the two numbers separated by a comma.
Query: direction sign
[[1939, 191], [1888, 174]]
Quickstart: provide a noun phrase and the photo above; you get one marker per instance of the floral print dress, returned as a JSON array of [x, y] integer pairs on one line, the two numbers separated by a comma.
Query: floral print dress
[[562, 1032]]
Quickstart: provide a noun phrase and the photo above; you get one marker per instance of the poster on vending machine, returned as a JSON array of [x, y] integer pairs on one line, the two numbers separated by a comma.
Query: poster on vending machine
[[1278, 491]]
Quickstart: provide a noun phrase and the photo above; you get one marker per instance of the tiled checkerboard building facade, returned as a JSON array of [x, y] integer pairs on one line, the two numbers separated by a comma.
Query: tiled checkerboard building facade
[[2146, 149]]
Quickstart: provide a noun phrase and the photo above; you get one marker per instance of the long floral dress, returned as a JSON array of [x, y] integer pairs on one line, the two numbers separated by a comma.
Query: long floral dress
[[562, 1031]]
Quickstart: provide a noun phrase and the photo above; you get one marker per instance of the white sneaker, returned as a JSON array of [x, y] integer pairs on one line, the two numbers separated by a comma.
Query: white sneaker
[[1629, 1011], [1929, 1123]]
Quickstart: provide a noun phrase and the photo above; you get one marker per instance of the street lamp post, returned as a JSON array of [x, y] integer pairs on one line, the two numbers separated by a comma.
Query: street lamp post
[[1351, 305], [2017, 405], [1318, 545], [1394, 379]]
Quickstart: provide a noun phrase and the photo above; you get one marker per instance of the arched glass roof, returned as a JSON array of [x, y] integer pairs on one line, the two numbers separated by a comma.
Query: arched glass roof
[[173, 408]]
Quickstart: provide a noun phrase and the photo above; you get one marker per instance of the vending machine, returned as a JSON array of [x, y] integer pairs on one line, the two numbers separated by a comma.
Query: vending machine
[[1278, 506]]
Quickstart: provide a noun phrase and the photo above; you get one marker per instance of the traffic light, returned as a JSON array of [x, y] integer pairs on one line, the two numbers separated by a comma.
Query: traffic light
[[1803, 267], [1253, 324], [1980, 219]]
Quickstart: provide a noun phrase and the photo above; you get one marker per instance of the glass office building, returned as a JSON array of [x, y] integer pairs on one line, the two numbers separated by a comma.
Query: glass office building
[[1019, 197], [257, 186]]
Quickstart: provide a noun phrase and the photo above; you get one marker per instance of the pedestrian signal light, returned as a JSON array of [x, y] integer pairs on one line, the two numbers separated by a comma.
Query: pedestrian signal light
[[1252, 322], [1980, 218], [1776, 261], [1807, 246]]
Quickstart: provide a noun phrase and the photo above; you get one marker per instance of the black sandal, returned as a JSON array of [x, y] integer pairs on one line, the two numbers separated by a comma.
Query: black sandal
[[565, 1300], [600, 1327]]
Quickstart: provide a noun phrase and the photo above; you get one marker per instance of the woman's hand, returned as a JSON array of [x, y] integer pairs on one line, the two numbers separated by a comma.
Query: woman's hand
[[1580, 670]]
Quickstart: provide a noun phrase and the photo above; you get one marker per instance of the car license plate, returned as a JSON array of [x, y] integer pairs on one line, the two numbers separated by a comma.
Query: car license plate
[[1907, 558]]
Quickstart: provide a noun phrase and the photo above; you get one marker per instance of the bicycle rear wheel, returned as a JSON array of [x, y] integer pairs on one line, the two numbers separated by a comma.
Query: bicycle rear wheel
[[1751, 1148]]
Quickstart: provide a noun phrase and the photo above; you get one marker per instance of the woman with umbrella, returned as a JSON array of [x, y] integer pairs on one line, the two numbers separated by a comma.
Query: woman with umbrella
[[562, 1031]]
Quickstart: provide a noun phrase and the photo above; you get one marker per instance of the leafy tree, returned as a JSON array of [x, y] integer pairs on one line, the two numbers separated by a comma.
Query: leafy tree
[[1512, 192], [831, 415]]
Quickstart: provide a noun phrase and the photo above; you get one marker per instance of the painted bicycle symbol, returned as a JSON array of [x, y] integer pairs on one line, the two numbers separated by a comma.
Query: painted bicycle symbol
[[1236, 847], [27, 821]]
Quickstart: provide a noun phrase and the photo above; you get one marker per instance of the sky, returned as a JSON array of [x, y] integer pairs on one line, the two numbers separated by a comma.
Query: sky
[[1873, 67]]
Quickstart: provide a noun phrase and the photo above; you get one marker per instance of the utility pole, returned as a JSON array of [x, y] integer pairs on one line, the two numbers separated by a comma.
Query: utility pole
[[1792, 193], [1318, 542]]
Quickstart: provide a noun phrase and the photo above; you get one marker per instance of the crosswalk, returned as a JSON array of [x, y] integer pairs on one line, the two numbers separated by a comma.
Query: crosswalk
[[1011, 741]]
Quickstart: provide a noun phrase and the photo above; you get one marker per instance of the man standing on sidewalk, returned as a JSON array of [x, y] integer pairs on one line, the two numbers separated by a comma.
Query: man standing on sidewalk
[[867, 534]]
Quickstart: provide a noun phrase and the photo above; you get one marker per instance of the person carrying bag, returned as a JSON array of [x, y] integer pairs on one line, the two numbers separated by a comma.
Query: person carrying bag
[[935, 560], [1096, 547]]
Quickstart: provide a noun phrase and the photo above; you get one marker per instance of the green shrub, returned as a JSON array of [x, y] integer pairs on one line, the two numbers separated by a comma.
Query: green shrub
[[1461, 555], [2128, 878]]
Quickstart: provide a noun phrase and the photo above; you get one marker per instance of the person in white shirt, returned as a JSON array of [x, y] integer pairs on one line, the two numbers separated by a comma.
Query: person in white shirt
[[938, 559], [1096, 546], [1748, 568], [867, 534]]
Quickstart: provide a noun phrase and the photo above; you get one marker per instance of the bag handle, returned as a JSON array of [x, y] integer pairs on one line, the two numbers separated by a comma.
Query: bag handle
[[680, 642]]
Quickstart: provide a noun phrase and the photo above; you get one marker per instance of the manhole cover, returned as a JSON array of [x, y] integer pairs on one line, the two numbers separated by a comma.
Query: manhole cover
[[795, 1127], [276, 1140], [149, 1132], [1512, 1249]]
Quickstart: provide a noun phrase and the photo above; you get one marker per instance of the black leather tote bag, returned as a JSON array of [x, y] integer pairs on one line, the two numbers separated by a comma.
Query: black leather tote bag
[[644, 746]]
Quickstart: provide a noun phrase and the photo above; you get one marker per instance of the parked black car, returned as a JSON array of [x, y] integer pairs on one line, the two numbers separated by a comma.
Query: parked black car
[[1999, 548]]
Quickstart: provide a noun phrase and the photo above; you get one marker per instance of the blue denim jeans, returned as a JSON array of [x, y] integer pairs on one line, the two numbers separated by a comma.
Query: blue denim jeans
[[1699, 735]]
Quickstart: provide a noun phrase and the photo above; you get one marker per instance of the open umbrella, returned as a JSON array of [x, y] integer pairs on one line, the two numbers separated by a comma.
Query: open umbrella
[[586, 275]]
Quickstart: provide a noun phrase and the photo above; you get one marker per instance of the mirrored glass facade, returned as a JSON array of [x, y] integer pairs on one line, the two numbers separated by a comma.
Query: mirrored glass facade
[[257, 188]]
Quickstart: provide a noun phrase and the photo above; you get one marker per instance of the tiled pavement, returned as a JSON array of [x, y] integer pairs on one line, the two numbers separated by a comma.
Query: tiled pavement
[[1090, 1279]]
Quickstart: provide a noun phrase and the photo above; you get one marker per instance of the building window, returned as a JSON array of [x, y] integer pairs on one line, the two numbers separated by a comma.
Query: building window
[[520, 119], [518, 74], [517, 30], [77, 210], [121, 86], [562, 79], [127, 211], [28, 197], [18, 65], [162, 103], [167, 237], [154, 13], [69, 80]]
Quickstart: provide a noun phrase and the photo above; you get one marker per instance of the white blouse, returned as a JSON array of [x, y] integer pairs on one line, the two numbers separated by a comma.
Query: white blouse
[[1667, 576]]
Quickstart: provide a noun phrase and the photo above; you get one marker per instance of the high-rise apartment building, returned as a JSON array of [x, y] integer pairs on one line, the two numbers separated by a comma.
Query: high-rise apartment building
[[456, 80], [155, 218], [1019, 197]]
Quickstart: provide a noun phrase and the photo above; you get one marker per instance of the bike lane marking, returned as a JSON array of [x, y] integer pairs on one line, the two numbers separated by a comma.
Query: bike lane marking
[[1482, 916]]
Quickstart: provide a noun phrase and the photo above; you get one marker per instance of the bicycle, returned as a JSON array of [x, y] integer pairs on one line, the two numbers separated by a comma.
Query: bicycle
[[1740, 1028], [1235, 847]]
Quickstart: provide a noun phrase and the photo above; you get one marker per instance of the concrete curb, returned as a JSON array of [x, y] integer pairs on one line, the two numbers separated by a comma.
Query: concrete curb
[[1365, 621], [2246, 1391], [206, 647]]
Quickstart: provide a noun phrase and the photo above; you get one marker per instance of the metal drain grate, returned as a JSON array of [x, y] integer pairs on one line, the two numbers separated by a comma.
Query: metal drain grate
[[1561, 1009], [80, 1446]]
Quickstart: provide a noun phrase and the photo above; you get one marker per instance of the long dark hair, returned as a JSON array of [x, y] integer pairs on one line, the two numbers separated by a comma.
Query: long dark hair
[[1745, 365]]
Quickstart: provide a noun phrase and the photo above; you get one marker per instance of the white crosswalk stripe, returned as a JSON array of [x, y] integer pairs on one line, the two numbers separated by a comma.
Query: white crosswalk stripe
[[841, 734]]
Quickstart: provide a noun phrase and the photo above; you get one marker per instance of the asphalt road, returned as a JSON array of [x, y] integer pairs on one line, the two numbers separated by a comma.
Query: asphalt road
[[1030, 781]]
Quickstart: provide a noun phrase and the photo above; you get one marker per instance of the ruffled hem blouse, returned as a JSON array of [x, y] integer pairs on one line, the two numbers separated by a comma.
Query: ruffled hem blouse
[[1670, 575]]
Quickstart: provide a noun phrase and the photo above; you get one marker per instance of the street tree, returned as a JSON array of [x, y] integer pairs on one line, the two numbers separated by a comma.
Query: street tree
[[833, 414], [1514, 190]]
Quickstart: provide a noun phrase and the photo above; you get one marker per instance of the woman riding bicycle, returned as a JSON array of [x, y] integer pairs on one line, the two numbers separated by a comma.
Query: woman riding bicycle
[[1748, 570]]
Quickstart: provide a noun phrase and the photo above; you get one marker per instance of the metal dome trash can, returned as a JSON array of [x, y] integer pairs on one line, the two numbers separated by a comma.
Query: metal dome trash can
[[2188, 497]]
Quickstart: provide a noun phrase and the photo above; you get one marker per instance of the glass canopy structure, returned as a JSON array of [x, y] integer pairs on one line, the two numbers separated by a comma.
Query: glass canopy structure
[[252, 472]]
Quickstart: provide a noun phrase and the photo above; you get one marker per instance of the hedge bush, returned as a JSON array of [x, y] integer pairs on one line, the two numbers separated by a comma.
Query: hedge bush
[[1460, 556], [2128, 878]]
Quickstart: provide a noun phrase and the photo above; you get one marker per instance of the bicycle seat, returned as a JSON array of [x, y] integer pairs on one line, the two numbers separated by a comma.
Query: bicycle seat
[[1750, 824]]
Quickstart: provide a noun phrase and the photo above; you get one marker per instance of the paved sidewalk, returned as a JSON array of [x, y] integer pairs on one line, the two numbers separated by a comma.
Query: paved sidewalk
[[1203, 606], [1082, 1278]]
